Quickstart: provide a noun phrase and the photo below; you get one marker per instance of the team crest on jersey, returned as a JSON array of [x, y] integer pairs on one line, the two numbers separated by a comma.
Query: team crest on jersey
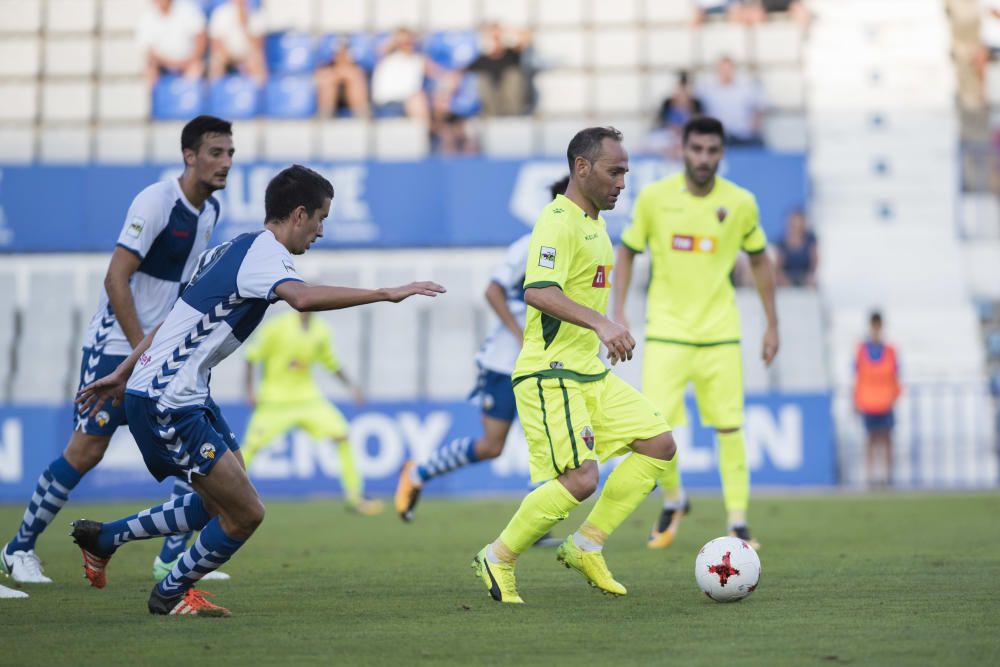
[[721, 214], [135, 226], [547, 257], [601, 276], [488, 401], [587, 435], [102, 418], [207, 451]]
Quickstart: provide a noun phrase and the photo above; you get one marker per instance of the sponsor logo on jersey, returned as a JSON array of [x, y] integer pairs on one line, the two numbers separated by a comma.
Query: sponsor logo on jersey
[[601, 276], [686, 243], [556, 365], [587, 435], [547, 257], [207, 451], [288, 266], [145, 359], [135, 226]]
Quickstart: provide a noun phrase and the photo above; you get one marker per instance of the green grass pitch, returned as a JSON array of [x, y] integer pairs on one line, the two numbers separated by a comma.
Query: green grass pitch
[[863, 580]]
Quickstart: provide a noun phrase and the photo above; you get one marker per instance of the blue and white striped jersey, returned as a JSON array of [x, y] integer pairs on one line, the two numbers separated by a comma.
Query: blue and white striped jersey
[[232, 286], [499, 351], [167, 234]]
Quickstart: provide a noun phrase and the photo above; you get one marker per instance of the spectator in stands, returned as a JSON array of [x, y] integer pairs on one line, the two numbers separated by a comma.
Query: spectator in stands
[[449, 130], [676, 110], [173, 34], [398, 79], [501, 78], [757, 10], [237, 41], [341, 83], [736, 11], [876, 388], [797, 253], [989, 35], [736, 101]]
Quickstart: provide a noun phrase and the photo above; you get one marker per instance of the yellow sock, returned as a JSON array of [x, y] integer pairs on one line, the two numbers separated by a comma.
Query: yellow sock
[[539, 511], [734, 473], [627, 486], [670, 480], [350, 478]]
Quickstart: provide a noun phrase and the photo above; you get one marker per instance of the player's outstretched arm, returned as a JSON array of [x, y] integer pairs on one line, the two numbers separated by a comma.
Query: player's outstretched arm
[[763, 276], [496, 297], [552, 301], [305, 297], [111, 387]]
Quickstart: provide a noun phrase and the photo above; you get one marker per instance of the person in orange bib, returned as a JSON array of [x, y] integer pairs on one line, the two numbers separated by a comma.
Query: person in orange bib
[[876, 388]]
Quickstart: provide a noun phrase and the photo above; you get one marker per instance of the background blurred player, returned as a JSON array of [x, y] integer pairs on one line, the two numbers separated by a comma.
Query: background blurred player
[[876, 388], [573, 411], [695, 223], [287, 348], [496, 359], [178, 428], [168, 225]]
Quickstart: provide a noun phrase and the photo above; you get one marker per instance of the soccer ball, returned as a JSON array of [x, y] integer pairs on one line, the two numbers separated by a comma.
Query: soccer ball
[[727, 569]]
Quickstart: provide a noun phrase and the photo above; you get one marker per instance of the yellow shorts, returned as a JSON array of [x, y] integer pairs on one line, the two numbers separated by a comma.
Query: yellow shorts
[[318, 418], [715, 370], [568, 422]]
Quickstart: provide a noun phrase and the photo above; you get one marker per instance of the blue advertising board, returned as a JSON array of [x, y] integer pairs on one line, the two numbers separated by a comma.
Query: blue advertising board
[[432, 203], [789, 443]]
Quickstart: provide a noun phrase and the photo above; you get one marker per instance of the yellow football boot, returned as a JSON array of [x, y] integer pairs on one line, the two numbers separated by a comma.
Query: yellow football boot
[[591, 565], [498, 577]]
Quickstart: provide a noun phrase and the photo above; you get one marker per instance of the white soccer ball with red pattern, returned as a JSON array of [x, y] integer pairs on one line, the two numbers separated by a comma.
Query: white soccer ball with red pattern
[[727, 569]]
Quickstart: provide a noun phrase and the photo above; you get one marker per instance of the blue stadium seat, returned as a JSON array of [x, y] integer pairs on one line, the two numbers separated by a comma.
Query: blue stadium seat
[[365, 48], [465, 102], [993, 343], [291, 97], [290, 53], [453, 49], [235, 97], [177, 98]]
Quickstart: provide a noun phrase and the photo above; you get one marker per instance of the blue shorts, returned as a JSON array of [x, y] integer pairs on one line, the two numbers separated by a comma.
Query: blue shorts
[[496, 395], [178, 443], [94, 366], [879, 422]]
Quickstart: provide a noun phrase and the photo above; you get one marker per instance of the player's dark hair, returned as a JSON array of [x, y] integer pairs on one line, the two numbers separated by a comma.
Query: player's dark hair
[[196, 129], [587, 143], [559, 187], [293, 187], [875, 319], [704, 125]]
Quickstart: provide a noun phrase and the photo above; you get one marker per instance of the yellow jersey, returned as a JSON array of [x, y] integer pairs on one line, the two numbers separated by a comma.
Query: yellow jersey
[[287, 352], [574, 253], [693, 242]]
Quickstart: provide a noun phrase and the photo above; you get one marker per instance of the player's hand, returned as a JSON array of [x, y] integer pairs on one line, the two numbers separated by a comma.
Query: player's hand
[[770, 347], [617, 339], [425, 287], [357, 396], [619, 317], [109, 388]]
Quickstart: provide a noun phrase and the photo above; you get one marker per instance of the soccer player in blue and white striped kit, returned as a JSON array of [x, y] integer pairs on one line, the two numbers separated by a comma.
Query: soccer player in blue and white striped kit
[[168, 226], [178, 428]]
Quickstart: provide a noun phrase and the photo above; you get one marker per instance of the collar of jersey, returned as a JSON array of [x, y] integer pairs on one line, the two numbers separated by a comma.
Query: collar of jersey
[[566, 201], [183, 198]]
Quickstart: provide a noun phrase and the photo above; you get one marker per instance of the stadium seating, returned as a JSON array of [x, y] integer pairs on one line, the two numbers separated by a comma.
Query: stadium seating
[[178, 97]]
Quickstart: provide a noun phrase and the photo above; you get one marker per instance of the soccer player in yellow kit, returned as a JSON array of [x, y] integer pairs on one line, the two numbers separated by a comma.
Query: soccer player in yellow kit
[[573, 411], [694, 224], [288, 398]]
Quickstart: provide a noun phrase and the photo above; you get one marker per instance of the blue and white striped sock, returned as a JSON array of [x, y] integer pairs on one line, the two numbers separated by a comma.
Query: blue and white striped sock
[[209, 552], [174, 545], [174, 517], [50, 495], [450, 456]]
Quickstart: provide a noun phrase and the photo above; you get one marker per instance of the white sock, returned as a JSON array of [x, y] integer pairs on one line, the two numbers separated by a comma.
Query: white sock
[[585, 544], [677, 504], [491, 557]]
